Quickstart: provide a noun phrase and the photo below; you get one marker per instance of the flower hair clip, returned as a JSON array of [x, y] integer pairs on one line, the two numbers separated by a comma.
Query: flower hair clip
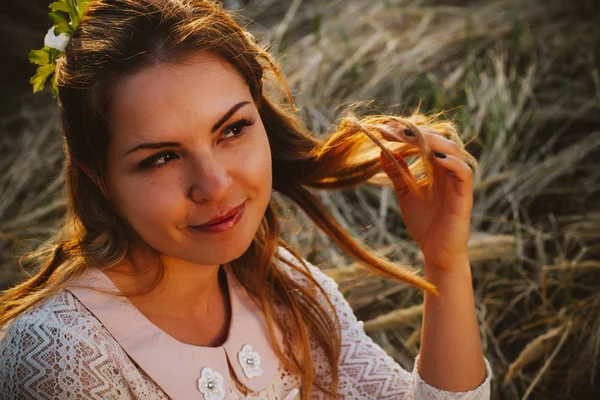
[[66, 15]]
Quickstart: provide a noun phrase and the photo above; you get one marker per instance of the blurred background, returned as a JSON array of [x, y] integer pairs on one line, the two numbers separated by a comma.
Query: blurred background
[[522, 81]]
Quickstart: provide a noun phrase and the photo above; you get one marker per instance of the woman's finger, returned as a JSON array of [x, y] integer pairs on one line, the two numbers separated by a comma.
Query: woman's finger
[[399, 174], [436, 142], [458, 170]]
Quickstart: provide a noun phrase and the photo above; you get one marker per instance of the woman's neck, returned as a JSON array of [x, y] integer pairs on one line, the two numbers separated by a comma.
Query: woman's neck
[[190, 301]]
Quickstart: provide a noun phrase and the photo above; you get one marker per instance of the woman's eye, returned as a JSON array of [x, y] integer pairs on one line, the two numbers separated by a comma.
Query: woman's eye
[[157, 160], [236, 129], [232, 132]]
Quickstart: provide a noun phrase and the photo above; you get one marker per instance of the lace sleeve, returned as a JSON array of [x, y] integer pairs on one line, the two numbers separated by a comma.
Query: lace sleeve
[[60, 351], [368, 372]]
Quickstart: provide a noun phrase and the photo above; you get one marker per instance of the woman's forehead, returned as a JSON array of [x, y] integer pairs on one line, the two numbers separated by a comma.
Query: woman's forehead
[[168, 98]]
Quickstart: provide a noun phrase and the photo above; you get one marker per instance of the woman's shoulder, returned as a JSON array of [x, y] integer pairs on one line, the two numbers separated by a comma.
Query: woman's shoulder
[[45, 352], [329, 286], [54, 343], [58, 325], [326, 282], [59, 312]]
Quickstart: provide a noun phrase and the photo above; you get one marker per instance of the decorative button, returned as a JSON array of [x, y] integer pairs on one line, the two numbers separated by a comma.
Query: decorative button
[[250, 362], [211, 384]]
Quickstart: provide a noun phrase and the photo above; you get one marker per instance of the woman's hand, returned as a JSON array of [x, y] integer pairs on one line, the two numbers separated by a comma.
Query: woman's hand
[[440, 223]]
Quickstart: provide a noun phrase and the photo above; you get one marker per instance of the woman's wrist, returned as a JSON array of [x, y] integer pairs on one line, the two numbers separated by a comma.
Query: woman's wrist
[[456, 266]]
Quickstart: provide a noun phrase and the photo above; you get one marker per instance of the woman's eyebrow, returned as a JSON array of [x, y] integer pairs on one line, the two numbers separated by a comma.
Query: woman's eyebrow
[[157, 145], [216, 126], [228, 115]]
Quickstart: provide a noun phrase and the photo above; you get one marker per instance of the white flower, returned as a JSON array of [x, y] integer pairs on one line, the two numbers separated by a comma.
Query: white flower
[[250, 362], [57, 42], [211, 384]]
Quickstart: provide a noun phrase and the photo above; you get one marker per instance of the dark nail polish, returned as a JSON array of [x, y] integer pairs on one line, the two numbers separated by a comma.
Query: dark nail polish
[[408, 132], [439, 155]]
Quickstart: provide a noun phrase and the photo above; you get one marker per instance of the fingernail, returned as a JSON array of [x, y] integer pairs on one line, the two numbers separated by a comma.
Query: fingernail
[[439, 155], [408, 132]]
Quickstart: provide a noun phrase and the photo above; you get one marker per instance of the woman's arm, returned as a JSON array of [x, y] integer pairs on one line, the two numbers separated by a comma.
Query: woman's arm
[[366, 371], [451, 356], [437, 217]]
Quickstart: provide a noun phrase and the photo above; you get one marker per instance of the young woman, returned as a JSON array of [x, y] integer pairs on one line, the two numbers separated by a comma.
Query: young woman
[[170, 279]]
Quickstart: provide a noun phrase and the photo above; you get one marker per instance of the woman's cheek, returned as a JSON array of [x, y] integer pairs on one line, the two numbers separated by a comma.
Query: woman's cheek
[[253, 158], [263, 156], [154, 196]]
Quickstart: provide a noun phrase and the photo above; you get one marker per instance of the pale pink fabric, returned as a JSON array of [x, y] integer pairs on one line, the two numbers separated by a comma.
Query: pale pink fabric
[[83, 344], [173, 365]]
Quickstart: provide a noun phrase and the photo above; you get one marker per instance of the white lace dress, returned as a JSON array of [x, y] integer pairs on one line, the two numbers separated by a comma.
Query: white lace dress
[[81, 344]]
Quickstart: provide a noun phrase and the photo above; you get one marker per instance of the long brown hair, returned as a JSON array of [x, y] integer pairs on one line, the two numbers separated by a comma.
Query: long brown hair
[[117, 38]]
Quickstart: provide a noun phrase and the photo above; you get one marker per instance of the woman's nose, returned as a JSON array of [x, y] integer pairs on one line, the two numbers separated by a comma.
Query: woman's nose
[[210, 180]]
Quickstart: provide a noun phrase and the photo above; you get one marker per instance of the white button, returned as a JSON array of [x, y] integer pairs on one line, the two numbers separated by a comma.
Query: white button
[[250, 362], [211, 384]]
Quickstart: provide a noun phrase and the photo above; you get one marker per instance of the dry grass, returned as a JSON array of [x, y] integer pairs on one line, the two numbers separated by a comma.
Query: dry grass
[[521, 79], [511, 75], [394, 319]]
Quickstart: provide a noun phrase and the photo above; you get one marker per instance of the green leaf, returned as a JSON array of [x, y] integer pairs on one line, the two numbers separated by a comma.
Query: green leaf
[[72, 4], [39, 57], [74, 13], [58, 6], [82, 5], [41, 75], [68, 7], [54, 87], [62, 25], [53, 53]]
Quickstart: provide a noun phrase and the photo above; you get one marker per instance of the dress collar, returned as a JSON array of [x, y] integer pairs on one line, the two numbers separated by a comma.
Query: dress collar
[[180, 369]]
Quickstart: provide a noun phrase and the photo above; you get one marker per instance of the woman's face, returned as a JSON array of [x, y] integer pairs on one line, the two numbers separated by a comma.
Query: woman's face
[[188, 146]]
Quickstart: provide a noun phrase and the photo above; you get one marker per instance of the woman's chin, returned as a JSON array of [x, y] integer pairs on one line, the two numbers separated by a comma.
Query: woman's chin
[[221, 249], [218, 257]]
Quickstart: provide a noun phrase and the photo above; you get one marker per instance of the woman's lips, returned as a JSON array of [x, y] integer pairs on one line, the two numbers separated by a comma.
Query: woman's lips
[[226, 223]]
